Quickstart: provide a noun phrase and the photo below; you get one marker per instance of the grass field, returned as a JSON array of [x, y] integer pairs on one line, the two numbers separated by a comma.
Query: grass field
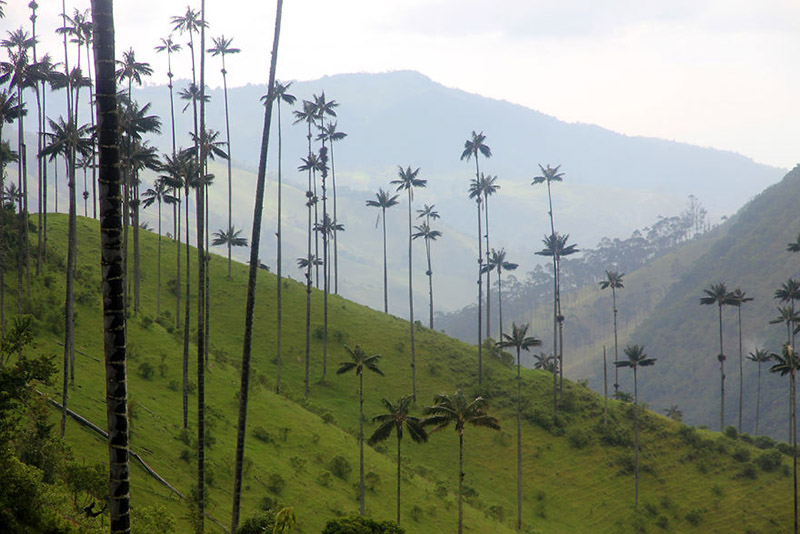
[[577, 470]]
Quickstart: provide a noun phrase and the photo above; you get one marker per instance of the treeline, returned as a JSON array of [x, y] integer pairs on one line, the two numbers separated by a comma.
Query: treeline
[[586, 268]]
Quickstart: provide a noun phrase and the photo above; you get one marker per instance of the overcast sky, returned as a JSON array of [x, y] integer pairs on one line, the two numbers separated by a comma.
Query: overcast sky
[[718, 73]]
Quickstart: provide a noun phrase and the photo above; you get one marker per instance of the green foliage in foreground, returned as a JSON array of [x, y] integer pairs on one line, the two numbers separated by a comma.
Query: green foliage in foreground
[[578, 472]]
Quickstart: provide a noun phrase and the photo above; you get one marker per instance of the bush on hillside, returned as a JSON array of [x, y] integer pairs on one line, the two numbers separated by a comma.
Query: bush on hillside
[[769, 460], [355, 524]]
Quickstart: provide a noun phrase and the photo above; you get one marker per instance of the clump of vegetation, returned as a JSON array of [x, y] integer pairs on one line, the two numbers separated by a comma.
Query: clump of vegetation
[[769, 460], [340, 467]]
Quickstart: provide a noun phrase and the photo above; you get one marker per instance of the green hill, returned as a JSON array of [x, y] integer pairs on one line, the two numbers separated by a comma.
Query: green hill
[[577, 471], [751, 254]]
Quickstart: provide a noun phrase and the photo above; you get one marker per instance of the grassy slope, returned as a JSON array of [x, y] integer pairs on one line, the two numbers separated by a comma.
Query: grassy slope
[[567, 489]]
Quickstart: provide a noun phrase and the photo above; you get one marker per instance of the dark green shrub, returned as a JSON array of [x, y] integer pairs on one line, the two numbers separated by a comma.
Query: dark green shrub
[[785, 448], [146, 370], [340, 467], [324, 479], [749, 472], [731, 432], [694, 516], [261, 434], [258, 523], [275, 483], [579, 438], [355, 524], [662, 522], [769, 460], [741, 454]]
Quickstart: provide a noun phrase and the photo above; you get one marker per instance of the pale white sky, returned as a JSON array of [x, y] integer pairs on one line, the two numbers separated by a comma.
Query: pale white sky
[[718, 73]]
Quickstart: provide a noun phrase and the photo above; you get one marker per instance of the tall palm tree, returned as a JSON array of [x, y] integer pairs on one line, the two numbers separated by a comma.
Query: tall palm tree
[[331, 133], [789, 317], [718, 294], [407, 180], [18, 73], [383, 200], [311, 164], [497, 261], [519, 340], [424, 231], [359, 361], [545, 362], [255, 241], [395, 418], [788, 363], [550, 175], [9, 109], [789, 292], [460, 410], [488, 187], [307, 264], [69, 140], [476, 193], [555, 246], [133, 71], [327, 229], [739, 298], [759, 356], [614, 281], [159, 193], [113, 281], [171, 47], [636, 358], [474, 147], [281, 94], [222, 47]]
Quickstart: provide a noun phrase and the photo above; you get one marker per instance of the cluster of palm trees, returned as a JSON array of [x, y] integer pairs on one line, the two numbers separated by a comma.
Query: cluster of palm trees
[[457, 408]]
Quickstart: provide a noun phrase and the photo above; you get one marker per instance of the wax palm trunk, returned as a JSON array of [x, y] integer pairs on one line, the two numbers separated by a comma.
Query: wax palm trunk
[[411, 306], [113, 282], [251, 284]]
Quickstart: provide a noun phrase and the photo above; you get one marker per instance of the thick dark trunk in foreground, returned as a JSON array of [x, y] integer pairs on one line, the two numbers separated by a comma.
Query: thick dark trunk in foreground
[[111, 262], [460, 482], [251, 283]]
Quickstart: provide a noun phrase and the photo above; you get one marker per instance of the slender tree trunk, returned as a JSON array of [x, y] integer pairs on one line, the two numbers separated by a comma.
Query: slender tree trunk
[[201, 288], [460, 482], [228, 142], [411, 307], [385, 276], [361, 443], [69, 336], [40, 162], [500, 297], [177, 219], [616, 346], [279, 258], [255, 241], [794, 445], [741, 368], [480, 294], [758, 397], [430, 282], [111, 261], [186, 311], [488, 271], [158, 291], [519, 443], [636, 439], [398, 477], [605, 388], [555, 333], [137, 279], [721, 375], [94, 150], [335, 228], [43, 229], [2, 251]]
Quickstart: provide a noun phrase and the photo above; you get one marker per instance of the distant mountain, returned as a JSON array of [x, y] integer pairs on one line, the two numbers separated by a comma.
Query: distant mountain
[[613, 183]]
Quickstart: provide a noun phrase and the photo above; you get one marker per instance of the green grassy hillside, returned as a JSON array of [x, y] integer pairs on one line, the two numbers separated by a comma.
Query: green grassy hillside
[[578, 471], [751, 255]]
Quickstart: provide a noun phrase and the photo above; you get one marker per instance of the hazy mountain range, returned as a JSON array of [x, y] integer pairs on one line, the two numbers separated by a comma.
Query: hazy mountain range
[[613, 183]]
